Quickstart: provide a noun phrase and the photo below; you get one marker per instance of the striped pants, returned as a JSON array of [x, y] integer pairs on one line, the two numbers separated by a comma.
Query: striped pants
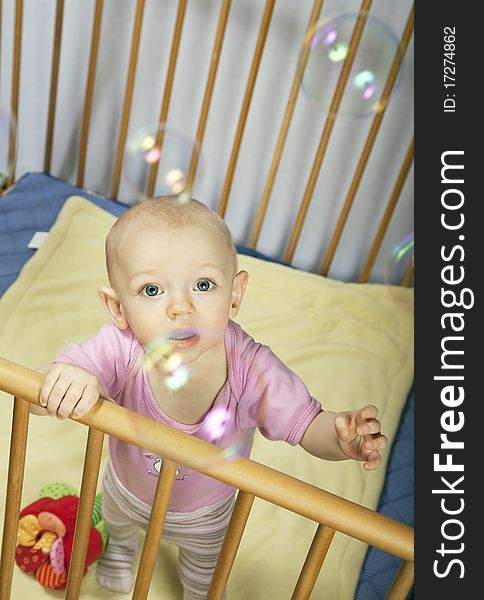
[[199, 534]]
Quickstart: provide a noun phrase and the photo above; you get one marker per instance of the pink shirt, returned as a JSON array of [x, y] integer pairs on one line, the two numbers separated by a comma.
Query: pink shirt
[[260, 391]]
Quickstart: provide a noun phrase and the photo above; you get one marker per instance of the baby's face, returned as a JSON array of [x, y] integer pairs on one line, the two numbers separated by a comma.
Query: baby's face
[[176, 284]]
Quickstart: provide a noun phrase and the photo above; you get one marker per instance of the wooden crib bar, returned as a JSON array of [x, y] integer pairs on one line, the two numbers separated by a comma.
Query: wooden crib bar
[[15, 479], [281, 140], [59, 14], [128, 95], [155, 530], [249, 90], [207, 98], [88, 98], [231, 544], [90, 474], [17, 51], [165, 103], [402, 583], [407, 278], [242, 473], [313, 563]]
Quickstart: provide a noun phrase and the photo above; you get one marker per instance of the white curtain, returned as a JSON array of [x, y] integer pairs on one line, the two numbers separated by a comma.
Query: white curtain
[[276, 73]]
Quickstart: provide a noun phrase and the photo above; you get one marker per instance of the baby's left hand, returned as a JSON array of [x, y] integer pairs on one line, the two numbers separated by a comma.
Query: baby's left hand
[[359, 436]]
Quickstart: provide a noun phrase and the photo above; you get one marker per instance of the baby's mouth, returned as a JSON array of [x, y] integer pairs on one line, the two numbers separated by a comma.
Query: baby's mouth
[[184, 338]]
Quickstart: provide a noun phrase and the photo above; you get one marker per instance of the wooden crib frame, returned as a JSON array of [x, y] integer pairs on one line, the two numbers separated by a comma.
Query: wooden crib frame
[[330, 512], [252, 479]]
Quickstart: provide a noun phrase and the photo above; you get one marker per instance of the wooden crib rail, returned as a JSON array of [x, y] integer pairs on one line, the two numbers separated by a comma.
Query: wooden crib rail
[[251, 478]]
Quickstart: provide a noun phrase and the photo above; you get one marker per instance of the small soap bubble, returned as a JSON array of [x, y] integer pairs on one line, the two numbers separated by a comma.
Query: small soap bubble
[[232, 427], [400, 265], [219, 424], [171, 356], [8, 140], [161, 354], [325, 49], [168, 153]]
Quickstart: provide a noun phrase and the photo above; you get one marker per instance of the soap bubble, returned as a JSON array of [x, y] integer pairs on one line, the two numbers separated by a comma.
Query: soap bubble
[[231, 427], [165, 151], [8, 132], [327, 45], [165, 355], [169, 358], [219, 431], [161, 364], [401, 261]]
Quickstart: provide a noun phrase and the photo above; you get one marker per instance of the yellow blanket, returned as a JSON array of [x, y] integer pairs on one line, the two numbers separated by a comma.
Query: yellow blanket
[[351, 343]]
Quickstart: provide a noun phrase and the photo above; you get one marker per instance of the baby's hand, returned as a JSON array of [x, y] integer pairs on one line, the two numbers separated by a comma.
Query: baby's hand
[[359, 436], [68, 391]]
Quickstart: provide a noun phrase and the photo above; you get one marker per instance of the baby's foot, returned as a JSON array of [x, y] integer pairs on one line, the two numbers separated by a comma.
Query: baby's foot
[[114, 570]]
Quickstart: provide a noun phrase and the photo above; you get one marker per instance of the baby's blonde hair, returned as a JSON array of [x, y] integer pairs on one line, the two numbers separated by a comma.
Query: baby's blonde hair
[[164, 211]]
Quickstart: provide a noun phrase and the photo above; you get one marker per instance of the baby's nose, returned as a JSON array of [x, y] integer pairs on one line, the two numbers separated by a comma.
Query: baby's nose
[[180, 307]]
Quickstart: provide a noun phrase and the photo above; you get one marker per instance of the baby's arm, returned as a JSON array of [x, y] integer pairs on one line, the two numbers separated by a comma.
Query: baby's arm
[[67, 391], [352, 434]]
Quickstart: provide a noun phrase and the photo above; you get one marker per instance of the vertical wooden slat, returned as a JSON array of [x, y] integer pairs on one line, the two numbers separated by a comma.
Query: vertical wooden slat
[[392, 202], [217, 47], [53, 84], [86, 117], [90, 475], [313, 563], [402, 584], [17, 51], [375, 126], [15, 479], [128, 95], [235, 530], [165, 104], [281, 140], [155, 529], [407, 278], [328, 128], [261, 40]]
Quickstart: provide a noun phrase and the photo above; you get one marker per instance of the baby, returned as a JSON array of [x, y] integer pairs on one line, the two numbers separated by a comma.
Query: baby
[[173, 276]]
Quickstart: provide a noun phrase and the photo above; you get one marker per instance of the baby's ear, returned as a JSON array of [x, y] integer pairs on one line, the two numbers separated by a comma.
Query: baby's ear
[[113, 306], [238, 291]]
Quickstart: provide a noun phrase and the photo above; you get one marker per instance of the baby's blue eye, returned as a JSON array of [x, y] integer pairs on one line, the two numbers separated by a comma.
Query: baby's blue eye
[[204, 285], [151, 290]]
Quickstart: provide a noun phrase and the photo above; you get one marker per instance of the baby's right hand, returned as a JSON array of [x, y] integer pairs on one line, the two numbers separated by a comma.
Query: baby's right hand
[[68, 391]]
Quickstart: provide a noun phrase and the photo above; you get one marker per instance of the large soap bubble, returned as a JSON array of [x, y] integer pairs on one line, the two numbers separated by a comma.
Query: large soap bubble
[[325, 49]]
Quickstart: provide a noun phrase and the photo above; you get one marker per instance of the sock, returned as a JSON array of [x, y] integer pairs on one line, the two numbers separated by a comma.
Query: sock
[[114, 570]]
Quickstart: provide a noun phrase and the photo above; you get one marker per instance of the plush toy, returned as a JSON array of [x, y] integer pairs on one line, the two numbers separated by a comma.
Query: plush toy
[[46, 534]]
